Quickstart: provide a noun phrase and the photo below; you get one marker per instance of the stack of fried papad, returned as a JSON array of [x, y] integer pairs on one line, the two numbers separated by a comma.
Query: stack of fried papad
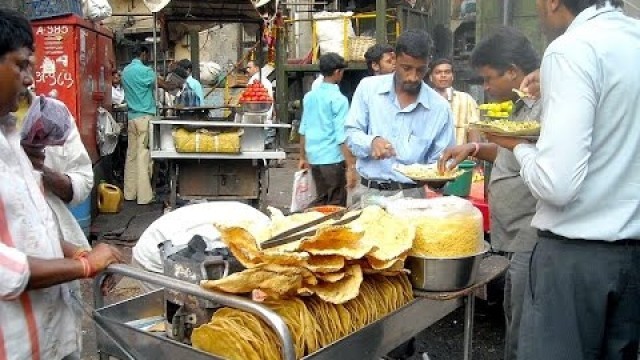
[[314, 323], [329, 264]]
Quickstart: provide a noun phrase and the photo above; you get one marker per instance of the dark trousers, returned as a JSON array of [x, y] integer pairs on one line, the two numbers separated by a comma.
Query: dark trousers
[[331, 184], [582, 301]]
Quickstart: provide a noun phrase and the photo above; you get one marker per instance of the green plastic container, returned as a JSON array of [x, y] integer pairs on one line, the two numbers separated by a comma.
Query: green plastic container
[[462, 185]]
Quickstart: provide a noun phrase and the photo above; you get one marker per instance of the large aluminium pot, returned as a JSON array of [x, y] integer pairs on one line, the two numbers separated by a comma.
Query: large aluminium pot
[[444, 274]]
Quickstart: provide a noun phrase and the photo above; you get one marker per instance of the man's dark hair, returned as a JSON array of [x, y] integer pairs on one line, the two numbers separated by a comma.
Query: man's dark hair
[[576, 6], [15, 32], [439, 61], [331, 62], [139, 50], [504, 48], [181, 72], [415, 43], [185, 64], [374, 54]]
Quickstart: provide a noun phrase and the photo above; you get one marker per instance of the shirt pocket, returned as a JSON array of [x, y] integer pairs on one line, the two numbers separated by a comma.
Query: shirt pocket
[[417, 145]]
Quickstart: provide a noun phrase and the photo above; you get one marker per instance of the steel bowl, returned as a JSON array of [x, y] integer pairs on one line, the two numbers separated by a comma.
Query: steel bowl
[[444, 274], [256, 106]]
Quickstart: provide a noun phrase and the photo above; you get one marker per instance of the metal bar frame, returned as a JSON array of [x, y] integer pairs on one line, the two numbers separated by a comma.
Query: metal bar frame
[[269, 316]]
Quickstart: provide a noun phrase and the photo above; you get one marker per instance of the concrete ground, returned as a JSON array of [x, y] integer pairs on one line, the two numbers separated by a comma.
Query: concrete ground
[[441, 341]]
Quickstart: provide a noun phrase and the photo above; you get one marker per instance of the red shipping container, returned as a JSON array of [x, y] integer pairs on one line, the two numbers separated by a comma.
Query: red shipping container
[[74, 59]]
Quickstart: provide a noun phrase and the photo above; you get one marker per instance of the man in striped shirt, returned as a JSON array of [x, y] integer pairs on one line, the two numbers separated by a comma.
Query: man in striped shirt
[[36, 317]]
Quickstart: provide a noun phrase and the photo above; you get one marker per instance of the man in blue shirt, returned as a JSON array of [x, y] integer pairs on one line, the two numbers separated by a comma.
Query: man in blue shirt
[[138, 82], [193, 83], [322, 137], [398, 119]]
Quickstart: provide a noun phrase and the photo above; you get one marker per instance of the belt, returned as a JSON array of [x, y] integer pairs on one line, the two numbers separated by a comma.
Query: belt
[[387, 185], [551, 235]]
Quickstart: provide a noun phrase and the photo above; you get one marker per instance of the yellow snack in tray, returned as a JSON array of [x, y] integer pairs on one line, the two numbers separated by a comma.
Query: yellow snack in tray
[[423, 172], [313, 323], [276, 281], [390, 235], [337, 240], [325, 263], [512, 126], [446, 237], [343, 290]]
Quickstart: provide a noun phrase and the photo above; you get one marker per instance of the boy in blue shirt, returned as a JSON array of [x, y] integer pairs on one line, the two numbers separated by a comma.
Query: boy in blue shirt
[[322, 136]]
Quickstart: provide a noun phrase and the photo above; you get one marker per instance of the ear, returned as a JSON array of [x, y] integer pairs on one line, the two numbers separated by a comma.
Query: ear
[[553, 5], [512, 72], [375, 66]]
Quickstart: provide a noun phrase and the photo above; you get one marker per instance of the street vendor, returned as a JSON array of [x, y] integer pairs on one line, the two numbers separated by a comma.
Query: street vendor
[[182, 224], [36, 316], [398, 119], [67, 179], [503, 60], [583, 297], [138, 81]]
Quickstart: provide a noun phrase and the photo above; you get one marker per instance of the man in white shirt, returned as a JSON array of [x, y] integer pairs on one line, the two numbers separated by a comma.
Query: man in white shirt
[[583, 300], [117, 92], [67, 178], [36, 320], [463, 106], [182, 224]]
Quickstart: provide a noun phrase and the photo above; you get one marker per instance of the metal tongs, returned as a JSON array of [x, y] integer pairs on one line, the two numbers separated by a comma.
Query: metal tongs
[[301, 231]]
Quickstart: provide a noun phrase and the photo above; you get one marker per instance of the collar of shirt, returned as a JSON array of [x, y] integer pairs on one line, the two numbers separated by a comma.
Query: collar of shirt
[[590, 13], [327, 85], [388, 87]]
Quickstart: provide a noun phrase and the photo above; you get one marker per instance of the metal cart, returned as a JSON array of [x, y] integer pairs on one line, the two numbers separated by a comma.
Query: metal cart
[[242, 176], [122, 336]]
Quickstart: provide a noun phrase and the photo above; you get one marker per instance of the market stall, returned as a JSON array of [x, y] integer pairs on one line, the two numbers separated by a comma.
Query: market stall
[[123, 319], [212, 157], [343, 290]]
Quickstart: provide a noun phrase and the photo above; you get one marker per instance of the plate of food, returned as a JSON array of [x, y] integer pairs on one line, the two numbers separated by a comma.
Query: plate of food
[[524, 128], [427, 174]]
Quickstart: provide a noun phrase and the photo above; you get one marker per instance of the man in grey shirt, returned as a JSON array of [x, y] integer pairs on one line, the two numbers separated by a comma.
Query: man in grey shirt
[[503, 60]]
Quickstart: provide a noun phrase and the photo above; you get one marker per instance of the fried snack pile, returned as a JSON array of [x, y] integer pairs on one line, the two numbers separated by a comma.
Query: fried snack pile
[[329, 264], [313, 323], [423, 172], [511, 127]]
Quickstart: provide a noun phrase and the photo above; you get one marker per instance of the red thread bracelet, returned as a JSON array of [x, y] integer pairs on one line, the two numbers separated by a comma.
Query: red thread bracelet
[[86, 267]]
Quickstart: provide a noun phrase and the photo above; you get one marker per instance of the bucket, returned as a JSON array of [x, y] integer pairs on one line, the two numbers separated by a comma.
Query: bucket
[[110, 198], [82, 213], [462, 185]]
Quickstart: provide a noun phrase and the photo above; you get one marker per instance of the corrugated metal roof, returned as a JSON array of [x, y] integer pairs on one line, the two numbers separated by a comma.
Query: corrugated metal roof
[[211, 11]]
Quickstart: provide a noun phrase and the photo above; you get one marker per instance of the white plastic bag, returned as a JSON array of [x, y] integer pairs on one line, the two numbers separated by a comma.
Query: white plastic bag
[[304, 190], [108, 132], [96, 10]]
